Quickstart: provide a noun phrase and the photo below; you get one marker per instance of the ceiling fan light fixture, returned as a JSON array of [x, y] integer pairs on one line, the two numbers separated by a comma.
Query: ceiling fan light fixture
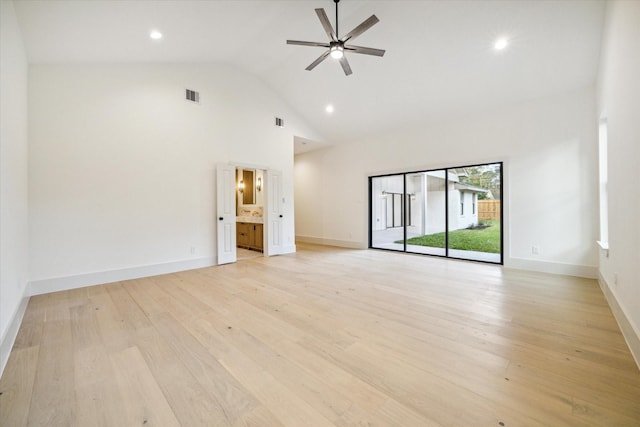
[[337, 52]]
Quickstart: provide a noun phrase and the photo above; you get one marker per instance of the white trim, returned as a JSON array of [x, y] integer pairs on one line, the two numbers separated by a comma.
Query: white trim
[[630, 332], [11, 333], [289, 249], [55, 284], [604, 246], [332, 242], [587, 271]]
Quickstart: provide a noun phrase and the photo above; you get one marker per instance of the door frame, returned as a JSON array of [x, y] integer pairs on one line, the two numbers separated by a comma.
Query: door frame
[[267, 188], [445, 169]]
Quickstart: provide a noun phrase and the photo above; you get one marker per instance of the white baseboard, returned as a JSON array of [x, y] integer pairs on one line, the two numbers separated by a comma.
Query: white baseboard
[[332, 242], [587, 271], [9, 338], [630, 332], [56, 284]]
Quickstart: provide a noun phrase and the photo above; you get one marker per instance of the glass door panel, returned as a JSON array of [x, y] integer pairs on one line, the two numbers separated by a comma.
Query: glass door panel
[[387, 212], [426, 217], [474, 219]]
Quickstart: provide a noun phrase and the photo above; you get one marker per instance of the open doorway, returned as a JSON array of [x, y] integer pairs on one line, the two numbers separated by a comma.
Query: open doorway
[[249, 212], [250, 203]]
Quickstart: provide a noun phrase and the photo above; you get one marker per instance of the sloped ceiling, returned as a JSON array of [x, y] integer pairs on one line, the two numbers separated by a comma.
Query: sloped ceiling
[[440, 59]]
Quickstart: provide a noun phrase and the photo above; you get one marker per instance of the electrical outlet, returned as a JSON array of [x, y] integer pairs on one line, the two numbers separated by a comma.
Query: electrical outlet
[[193, 250], [535, 250]]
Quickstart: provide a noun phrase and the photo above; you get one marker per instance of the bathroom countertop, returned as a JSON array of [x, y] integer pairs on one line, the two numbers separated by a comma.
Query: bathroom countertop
[[251, 219]]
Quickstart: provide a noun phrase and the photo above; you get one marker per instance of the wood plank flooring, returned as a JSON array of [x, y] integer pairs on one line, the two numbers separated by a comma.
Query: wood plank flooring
[[324, 337]]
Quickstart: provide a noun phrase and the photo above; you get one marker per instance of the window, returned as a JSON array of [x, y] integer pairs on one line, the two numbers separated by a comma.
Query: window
[[423, 212], [394, 210]]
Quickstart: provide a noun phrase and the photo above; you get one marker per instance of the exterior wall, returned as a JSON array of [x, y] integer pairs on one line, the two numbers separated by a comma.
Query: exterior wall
[[468, 217], [435, 212]]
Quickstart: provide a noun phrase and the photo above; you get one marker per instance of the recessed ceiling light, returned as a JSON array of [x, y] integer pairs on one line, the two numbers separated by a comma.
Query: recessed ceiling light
[[329, 109], [155, 34], [501, 43]]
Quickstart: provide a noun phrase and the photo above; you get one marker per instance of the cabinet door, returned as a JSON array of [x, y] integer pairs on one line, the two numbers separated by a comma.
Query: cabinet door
[[243, 234], [257, 236]]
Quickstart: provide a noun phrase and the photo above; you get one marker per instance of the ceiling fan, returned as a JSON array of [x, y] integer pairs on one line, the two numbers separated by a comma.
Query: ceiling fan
[[337, 45]]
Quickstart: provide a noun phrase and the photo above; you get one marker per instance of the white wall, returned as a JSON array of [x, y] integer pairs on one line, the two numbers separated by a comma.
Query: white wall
[[13, 179], [550, 151], [468, 217], [122, 167], [619, 102]]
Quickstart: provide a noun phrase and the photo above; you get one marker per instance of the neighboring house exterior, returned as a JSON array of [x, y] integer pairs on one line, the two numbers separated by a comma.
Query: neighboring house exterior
[[425, 203], [467, 206]]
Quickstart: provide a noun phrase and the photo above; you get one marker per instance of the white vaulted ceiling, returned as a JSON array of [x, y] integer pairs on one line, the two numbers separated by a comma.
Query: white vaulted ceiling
[[440, 59]]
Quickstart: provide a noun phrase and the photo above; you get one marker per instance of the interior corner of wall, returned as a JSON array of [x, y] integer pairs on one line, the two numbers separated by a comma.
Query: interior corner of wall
[[9, 336], [630, 331]]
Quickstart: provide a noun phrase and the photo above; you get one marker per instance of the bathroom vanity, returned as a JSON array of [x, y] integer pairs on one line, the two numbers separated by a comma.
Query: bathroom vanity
[[249, 235]]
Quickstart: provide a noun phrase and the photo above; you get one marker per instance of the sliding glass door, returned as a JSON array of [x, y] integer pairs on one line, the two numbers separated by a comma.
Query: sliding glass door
[[426, 191], [454, 212], [387, 212]]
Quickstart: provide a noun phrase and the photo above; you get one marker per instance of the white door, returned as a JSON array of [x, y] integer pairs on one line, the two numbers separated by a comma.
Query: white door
[[274, 212], [226, 218]]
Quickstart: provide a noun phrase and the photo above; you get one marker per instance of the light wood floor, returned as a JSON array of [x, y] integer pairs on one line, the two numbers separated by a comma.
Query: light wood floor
[[324, 337], [245, 254]]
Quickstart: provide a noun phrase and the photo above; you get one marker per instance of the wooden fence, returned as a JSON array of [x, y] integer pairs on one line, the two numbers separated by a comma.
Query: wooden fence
[[488, 209]]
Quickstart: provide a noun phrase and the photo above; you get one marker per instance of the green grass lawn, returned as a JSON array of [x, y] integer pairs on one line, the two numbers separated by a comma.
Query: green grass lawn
[[480, 240]]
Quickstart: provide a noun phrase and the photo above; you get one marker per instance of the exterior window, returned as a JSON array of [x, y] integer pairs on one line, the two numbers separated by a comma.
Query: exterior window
[[473, 204], [461, 203]]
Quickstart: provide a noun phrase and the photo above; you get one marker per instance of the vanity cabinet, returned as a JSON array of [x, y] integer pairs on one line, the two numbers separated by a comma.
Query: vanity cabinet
[[249, 235]]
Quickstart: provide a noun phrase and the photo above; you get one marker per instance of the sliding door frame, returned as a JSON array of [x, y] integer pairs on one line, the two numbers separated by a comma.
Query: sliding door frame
[[446, 216]]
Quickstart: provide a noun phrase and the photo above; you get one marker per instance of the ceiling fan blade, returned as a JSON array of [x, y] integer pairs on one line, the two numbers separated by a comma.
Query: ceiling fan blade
[[317, 61], [301, 43], [345, 65], [365, 50], [324, 20], [368, 23]]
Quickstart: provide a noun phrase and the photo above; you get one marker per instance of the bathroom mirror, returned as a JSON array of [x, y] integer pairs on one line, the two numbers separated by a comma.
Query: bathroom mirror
[[249, 192]]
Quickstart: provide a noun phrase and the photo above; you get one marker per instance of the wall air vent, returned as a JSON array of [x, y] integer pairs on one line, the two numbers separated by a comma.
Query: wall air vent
[[279, 122], [192, 95]]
